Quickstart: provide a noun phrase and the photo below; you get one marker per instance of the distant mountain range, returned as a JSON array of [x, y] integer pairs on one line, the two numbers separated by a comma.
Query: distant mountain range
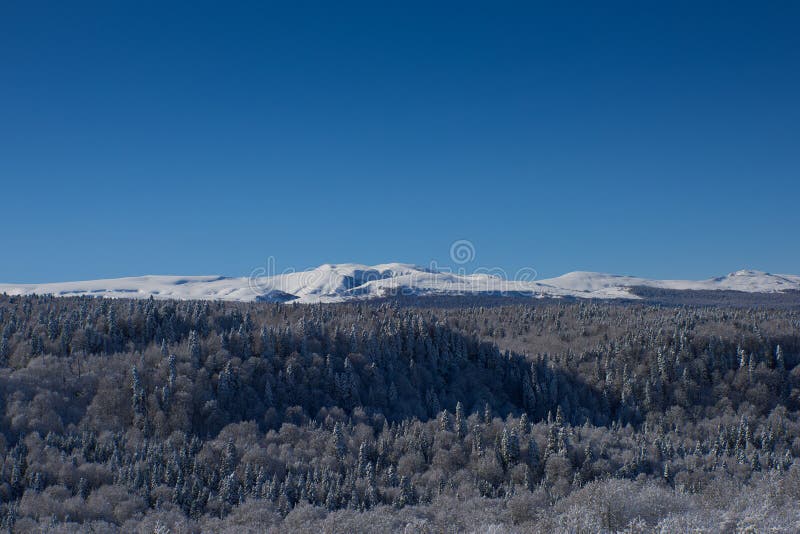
[[344, 282]]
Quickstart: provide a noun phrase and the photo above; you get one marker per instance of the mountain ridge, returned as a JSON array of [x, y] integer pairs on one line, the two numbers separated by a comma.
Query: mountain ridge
[[352, 281]]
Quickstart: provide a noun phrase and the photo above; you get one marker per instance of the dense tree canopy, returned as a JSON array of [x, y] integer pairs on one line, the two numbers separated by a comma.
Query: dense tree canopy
[[145, 415]]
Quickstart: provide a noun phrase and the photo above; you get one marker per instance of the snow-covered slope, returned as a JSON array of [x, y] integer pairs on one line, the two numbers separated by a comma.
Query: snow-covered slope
[[342, 282], [747, 281]]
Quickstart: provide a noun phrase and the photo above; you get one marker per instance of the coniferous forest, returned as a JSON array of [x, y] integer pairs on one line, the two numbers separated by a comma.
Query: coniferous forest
[[160, 416]]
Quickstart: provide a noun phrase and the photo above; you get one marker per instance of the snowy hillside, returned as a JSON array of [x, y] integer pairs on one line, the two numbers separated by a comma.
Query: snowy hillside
[[342, 282], [745, 280]]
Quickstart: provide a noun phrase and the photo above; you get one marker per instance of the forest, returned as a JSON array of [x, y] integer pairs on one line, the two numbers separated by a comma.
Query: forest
[[159, 416]]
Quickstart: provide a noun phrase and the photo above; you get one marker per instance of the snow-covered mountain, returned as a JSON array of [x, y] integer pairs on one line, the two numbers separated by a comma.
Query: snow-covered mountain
[[342, 282]]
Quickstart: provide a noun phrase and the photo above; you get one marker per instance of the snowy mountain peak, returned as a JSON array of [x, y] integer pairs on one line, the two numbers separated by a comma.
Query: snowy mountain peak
[[351, 281], [748, 272]]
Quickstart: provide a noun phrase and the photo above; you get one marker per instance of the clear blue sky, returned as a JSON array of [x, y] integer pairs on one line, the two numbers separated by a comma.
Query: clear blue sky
[[653, 138]]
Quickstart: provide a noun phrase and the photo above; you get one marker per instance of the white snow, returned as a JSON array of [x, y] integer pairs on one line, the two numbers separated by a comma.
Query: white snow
[[342, 282], [745, 280]]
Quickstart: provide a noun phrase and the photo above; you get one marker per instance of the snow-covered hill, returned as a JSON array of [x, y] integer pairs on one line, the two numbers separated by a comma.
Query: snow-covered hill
[[342, 282]]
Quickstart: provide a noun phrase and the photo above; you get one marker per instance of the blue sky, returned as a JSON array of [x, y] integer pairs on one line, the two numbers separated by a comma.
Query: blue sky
[[650, 138]]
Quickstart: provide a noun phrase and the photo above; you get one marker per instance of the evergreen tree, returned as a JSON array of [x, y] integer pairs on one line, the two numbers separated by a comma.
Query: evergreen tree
[[5, 351], [338, 441], [194, 348], [509, 447], [460, 423], [137, 389]]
